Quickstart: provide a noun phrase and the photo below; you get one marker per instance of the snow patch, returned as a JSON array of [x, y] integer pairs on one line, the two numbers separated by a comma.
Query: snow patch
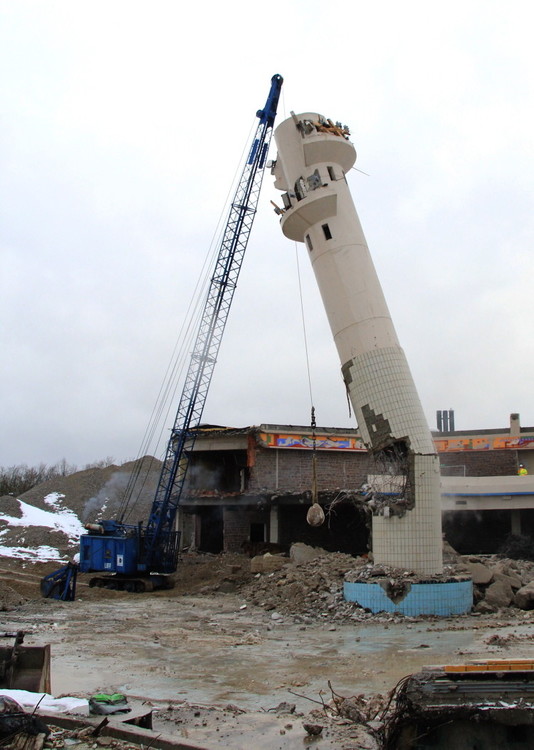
[[53, 499], [61, 519], [42, 553]]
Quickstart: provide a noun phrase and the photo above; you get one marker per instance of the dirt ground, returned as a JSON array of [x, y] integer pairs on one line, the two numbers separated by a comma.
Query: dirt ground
[[226, 666]]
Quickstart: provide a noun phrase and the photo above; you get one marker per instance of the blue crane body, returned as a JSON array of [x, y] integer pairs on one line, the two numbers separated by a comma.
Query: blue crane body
[[139, 556]]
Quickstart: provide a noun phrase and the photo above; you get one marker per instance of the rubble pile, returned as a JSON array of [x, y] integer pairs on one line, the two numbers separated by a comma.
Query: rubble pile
[[309, 584], [500, 582], [385, 573]]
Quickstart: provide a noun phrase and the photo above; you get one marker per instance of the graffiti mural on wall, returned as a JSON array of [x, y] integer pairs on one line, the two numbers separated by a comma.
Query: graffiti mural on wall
[[498, 442], [322, 442], [355, 443]]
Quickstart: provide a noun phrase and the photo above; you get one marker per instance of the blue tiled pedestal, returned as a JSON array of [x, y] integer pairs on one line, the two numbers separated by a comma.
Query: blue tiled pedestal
[[444, 599]]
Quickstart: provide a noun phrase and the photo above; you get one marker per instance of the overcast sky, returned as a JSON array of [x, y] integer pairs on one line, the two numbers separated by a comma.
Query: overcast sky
[[123, 124]]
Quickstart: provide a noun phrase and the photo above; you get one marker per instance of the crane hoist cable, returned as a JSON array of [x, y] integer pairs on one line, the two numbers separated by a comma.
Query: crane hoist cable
[[314, 492], [142, 555], [160, 524], [166, 396], [315, 515]]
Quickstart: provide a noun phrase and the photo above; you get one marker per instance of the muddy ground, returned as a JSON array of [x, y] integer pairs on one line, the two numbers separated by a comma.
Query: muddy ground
[[225, 667]]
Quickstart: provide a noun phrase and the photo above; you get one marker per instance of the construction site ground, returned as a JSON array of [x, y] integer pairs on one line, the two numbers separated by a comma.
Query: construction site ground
[[229, 663]]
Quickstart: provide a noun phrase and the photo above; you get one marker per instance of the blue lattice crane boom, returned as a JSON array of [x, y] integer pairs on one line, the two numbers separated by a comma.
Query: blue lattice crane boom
[[212, 324], [126, 550]]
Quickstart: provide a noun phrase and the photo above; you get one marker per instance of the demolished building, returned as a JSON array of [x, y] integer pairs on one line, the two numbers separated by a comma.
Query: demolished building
[[250, 488]]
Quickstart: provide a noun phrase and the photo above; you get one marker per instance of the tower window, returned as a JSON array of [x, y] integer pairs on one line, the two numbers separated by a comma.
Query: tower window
[[331, 173], [309, 242], [327, 232]]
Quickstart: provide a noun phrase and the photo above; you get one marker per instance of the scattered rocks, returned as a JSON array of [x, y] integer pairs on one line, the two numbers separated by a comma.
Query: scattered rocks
[[267, 563], [500, 583], [499, 594], [313, 729], [309, 589], [480, 573], [302, 553], [309, 586], [524, 597]]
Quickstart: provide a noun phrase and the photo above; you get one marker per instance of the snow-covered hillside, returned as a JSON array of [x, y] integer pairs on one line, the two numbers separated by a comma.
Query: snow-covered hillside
[[56, 519], [45, 523]]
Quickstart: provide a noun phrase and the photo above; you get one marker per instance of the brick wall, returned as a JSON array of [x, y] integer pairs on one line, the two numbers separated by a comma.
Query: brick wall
[[479, 463], [292, 470], [237, 526]]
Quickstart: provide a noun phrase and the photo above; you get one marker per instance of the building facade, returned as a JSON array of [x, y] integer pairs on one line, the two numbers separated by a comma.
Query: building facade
[[250, 488]]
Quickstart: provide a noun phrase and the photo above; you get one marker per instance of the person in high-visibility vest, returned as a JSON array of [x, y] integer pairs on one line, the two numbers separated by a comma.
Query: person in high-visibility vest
[[522, 471]]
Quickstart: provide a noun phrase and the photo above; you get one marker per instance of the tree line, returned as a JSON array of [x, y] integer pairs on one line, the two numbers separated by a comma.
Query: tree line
[[15, 480]]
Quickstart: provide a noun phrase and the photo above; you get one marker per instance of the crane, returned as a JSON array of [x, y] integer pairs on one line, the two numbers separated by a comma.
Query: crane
[[204, 356], [141, 555]]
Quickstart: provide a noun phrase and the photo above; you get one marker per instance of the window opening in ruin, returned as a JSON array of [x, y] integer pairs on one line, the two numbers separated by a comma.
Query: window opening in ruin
[[225, 471], [211, 529], [314, 180], [327, 232], [390, 482], [257, 532], [301, 190]]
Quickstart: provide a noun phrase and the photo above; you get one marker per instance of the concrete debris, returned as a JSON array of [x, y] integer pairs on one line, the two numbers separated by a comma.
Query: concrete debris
[[225, 622], [15, 721], [398, 576], [484, 705], [309, 584], [85, 739], [283, 708], [267, 563], [301, 553], [481, 574], [524, 597], [308, 590], [500, 583], [313, 729], [498, 594]]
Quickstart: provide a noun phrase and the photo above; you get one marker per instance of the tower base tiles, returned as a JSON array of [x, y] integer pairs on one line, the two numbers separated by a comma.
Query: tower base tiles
[[314, 155]]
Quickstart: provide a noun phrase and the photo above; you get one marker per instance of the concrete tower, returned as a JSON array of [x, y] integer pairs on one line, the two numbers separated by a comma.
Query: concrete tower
[[314, 154]]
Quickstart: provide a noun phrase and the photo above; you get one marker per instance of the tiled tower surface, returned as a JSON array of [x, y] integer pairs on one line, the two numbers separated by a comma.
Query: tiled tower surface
[[314, 155]]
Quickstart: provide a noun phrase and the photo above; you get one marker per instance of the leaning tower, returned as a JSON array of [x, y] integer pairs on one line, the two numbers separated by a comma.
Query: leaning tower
[[314, 155]]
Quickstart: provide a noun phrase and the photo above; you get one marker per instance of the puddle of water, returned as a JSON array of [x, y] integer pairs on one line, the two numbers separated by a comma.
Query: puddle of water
[[205, 650], [212, 669]]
